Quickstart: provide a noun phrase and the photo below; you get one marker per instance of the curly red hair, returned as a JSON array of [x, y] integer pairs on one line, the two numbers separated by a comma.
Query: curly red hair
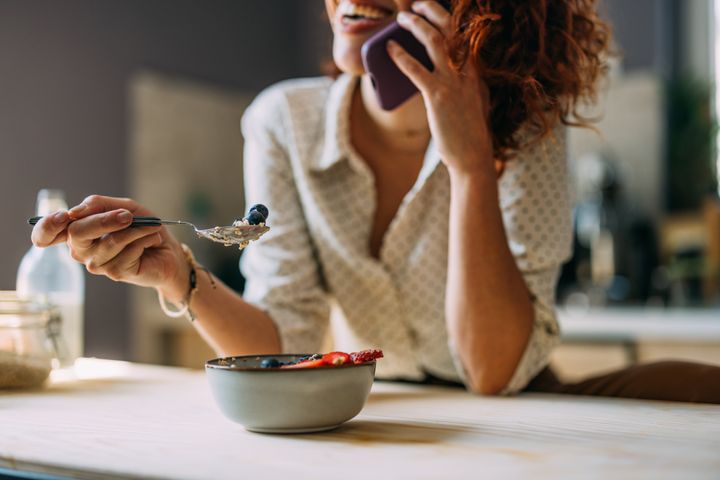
[[539, 58]]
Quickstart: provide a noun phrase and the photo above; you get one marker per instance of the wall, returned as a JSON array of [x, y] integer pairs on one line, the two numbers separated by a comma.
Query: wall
[[64, 71], [644, 31], [697, 37]]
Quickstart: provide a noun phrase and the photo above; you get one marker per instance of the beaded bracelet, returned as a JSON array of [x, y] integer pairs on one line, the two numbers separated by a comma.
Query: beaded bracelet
[[185, 304]]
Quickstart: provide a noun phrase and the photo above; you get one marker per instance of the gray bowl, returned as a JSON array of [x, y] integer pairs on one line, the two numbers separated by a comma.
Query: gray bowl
[[278, 400]]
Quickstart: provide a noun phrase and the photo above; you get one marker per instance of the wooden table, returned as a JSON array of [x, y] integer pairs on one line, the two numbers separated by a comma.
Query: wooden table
[[119, 420]]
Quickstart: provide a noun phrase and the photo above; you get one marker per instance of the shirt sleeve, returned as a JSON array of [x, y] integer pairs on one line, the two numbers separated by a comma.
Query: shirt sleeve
[[281, 269], [536, 208]]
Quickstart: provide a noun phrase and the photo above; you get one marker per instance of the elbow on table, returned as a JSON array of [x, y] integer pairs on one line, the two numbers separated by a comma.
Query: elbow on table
[[489, 375], [486, 384]]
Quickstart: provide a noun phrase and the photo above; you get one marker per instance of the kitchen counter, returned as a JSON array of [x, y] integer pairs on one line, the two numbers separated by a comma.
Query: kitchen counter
[[119, 420], [598, 340], [636, 324]]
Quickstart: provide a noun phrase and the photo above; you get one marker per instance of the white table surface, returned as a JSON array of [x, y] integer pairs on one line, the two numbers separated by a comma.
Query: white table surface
[[120, 420]]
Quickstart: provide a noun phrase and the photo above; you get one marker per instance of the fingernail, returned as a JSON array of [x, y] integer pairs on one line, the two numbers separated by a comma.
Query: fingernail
[[60, 217], [124, 217], [403, 17], [77, 209]]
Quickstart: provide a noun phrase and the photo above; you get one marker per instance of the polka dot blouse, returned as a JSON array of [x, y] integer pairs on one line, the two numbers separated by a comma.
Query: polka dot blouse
[[315, 259]]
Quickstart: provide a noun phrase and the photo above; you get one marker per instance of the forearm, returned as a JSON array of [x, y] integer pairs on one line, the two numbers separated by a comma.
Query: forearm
[[228, 324], [488, 307]]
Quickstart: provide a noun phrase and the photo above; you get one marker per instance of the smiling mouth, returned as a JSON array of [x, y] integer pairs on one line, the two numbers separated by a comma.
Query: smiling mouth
[[352, 13]]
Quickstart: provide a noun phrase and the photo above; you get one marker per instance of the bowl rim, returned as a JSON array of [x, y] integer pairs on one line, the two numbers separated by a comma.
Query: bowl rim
[[215, 364]]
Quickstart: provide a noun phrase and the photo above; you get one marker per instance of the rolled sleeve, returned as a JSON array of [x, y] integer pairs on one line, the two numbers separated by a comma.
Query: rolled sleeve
[[281, 270], [536, 207]]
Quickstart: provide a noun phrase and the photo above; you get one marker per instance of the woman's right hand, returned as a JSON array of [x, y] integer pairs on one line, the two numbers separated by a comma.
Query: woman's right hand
[[98, 236]]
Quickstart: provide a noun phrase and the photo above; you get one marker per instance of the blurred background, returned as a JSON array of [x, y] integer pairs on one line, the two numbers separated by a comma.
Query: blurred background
[[143, 98]]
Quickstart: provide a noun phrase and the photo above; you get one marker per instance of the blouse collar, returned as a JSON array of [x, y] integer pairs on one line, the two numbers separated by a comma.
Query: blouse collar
[[337, 146]]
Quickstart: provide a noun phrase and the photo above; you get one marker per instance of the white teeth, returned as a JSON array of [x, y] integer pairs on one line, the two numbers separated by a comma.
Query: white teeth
[[351, 9]]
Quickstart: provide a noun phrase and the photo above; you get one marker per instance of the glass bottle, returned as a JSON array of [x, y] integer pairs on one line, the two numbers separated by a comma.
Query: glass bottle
[[50, 275]]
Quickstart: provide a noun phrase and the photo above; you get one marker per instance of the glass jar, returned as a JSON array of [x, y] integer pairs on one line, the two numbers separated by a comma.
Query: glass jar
[[29, 340]]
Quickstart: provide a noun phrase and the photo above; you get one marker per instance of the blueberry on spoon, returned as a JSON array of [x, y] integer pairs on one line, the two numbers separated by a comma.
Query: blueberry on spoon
[[259, 207], [255, 218]]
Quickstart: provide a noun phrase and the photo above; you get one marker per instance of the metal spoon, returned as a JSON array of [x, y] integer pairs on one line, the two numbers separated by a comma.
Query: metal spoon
[[237, 234]]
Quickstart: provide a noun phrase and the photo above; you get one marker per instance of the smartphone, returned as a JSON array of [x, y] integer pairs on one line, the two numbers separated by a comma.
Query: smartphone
[[391, 86]]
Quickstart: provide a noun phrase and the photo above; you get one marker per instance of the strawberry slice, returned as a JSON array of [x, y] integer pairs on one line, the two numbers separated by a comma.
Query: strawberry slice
[[365, 356], [336, 358], [306, 364]]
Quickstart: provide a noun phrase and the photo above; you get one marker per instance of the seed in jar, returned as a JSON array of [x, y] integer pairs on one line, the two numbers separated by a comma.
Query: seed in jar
[[18, 371]]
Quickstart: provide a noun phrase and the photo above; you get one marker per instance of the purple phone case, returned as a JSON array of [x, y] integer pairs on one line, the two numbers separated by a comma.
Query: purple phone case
[[391, 85]]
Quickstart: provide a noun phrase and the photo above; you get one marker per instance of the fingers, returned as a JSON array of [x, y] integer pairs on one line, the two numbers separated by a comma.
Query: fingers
[[112, 244], [100, 204], [55, 228], [427, 34], [411, 67], [50, 230], [127, 263], [82, 233], [434, 13]]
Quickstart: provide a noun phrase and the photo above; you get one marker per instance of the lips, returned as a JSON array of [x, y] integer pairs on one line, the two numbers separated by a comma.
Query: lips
[[359, 16], [363, 10]]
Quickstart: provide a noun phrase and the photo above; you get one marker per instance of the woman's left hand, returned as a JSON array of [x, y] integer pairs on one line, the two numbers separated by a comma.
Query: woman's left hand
[[456, 103]]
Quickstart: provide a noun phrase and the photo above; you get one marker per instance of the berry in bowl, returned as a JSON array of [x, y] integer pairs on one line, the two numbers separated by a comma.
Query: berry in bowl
[[292, 393]]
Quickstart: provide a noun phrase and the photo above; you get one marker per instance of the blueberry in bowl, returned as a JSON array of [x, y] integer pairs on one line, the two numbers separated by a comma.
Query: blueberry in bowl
[[292, 393]]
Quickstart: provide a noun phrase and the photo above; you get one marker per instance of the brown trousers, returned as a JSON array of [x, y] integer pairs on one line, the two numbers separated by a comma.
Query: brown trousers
[[670, 380]]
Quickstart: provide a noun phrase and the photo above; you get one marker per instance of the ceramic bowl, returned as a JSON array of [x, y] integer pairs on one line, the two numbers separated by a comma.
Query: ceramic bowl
[[279, 400]]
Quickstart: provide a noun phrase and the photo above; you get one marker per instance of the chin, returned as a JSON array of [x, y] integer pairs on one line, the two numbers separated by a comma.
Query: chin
[[349, 61]]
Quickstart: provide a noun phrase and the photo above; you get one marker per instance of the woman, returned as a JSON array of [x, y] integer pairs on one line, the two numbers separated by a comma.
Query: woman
[[437, 228]]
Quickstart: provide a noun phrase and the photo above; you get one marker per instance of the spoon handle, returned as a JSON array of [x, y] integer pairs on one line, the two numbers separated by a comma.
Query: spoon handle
[[137, 221]]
